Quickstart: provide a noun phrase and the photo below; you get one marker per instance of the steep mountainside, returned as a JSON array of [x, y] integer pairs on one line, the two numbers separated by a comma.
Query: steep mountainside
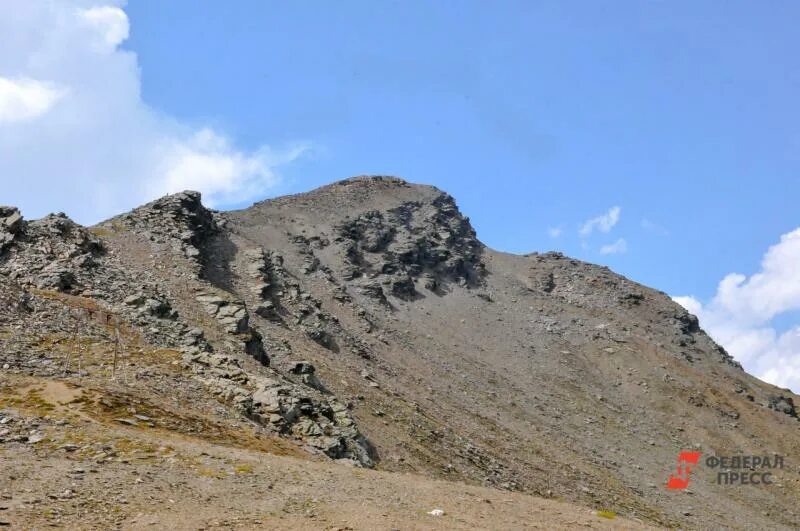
[[364, 322]]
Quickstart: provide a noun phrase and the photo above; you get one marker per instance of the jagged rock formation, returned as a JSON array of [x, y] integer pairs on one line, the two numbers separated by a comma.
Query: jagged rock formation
[[366, 322], [56, 254], [52, 252], [413, 240], [179, 221]]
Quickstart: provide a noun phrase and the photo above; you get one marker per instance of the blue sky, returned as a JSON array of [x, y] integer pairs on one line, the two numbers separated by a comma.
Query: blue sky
[[532, 114], [537, 116]]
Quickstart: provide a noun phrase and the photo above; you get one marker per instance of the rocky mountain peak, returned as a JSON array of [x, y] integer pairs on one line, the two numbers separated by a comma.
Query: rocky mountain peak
[[388, 236], [366, 322]]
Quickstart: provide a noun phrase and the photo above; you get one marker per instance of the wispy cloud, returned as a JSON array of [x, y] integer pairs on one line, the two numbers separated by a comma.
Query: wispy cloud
[[740, 315], [70, 94], [554, 232], [602, 223], [209, 163], [618, 247]]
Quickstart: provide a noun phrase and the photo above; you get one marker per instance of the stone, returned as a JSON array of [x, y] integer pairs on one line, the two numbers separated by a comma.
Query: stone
[[267, 310], [268, 398], [403, 288], [373, 290], [195, 332], [10, 219], [211, 300], [302, 367], [262, 289], [56, 277], [159, 308], [783, 404], [308, 428]]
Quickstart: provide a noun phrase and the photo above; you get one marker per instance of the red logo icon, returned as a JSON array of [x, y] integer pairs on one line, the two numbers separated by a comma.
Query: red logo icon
[[680, 480]]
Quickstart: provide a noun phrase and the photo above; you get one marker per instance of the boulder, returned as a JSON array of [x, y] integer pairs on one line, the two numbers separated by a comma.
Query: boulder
[[403, 287], [10, 219], [302, 367], [268, 311], [56, 277], [134, 300], [10, 225], [783, 404]]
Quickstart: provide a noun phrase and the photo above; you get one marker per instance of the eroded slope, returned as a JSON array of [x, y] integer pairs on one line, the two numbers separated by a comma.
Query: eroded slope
[[365, 322]]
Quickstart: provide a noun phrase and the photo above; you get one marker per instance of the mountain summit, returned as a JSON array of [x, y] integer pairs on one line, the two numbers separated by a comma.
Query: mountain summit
[[365, 323]]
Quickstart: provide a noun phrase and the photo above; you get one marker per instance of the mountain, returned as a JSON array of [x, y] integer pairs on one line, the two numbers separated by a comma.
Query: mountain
[[364, 324]]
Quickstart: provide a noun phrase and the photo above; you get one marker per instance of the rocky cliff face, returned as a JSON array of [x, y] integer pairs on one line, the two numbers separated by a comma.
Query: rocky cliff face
[[366, 323], [55, 256]]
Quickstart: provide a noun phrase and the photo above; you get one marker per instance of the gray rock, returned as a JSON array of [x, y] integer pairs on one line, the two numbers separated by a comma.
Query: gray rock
[[783, 404], [10, 219], [302, 367]]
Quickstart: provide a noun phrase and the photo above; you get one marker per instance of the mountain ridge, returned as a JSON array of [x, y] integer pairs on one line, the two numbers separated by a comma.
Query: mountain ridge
[[364, 321]]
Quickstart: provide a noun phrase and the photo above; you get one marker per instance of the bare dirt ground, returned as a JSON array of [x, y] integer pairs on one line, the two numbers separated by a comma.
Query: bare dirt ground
[[96, 473]]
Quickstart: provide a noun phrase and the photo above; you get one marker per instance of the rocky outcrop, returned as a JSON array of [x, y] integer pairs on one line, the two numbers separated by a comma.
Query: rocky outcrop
[[10, 225], [235, 319], [307, 373], [231, 314], [325, 424], [50, 253], [179, 221], [784, 404], [10, 219], [282, 300], [157, 307], [320, 421], [428, 241], [56, 254]]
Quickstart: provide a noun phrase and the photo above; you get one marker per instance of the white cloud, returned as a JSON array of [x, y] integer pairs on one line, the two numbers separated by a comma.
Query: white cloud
[[76, 135], [554, 232], [740, 314], [25, 99], [110, 23], [603, 223], [207, 162], [691, 304], [618, 247]]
